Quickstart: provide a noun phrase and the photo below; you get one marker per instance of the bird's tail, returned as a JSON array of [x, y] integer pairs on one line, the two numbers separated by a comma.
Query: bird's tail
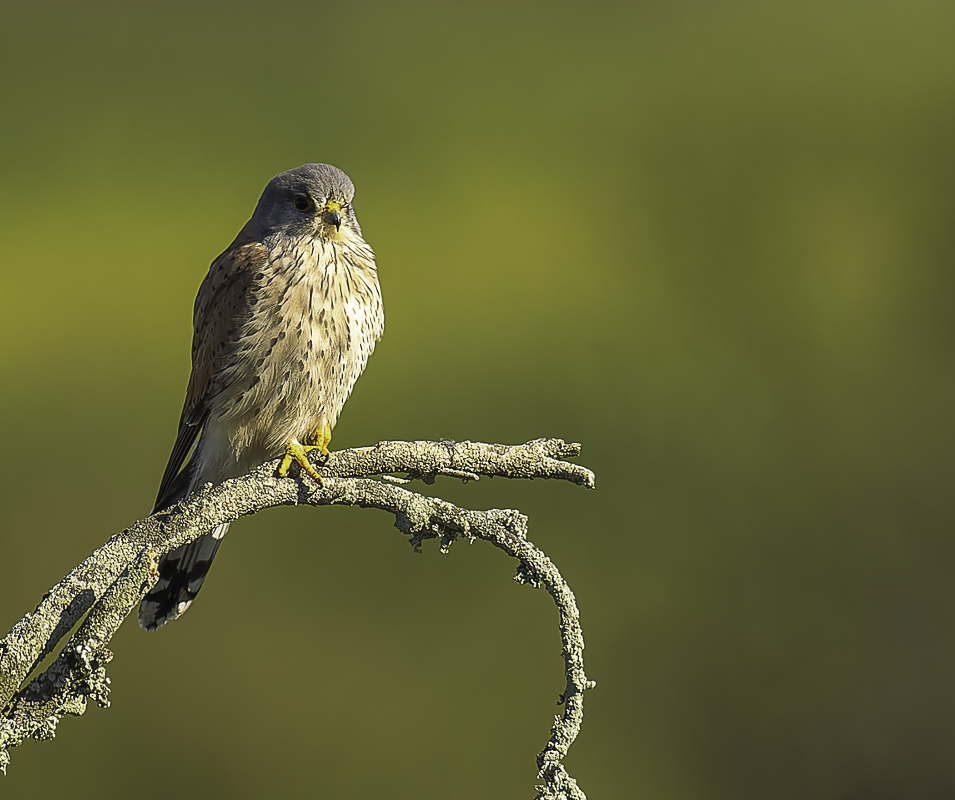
[[182, 571], [181, 574]]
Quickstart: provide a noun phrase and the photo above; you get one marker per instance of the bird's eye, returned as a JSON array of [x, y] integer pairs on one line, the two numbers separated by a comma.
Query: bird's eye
[[302, 203]]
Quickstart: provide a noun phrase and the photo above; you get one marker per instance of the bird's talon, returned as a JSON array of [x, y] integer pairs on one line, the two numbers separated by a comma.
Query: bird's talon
[[297, 452], [322, 438]]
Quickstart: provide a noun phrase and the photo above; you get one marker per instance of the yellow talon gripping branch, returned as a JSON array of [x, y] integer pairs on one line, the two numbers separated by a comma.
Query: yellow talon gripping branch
[[298, 452]]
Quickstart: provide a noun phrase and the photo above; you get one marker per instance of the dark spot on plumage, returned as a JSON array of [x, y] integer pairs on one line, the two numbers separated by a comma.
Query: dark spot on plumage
[[254, 381], [169, 565], [273, 342]]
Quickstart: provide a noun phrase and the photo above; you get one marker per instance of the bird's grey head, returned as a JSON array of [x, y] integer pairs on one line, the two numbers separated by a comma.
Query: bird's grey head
[[313, 200]]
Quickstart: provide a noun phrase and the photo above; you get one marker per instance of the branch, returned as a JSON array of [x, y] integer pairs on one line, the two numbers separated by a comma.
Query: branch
[[108, 585]]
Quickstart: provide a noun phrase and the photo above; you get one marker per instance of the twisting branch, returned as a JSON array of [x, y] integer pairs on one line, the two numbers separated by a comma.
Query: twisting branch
[[104, 589]]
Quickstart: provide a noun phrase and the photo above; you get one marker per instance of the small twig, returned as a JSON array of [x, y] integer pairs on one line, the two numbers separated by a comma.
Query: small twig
[[108, 585]]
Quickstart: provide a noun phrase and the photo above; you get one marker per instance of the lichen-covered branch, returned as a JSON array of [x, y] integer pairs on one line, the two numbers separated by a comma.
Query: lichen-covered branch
[[107, 586]]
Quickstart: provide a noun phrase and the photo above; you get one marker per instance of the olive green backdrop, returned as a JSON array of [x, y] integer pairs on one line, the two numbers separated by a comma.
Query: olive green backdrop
[[713, 242]]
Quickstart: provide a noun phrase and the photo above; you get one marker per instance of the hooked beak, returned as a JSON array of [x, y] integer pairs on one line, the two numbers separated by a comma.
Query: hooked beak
[[332, 214]]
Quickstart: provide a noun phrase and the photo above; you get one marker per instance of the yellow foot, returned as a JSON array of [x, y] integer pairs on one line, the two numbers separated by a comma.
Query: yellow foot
[[322, 437], [296, 451]]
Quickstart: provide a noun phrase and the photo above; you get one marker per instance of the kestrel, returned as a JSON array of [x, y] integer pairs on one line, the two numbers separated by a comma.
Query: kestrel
[[284, 324]]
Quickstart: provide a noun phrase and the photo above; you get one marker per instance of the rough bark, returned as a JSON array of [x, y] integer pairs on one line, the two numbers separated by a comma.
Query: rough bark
[[108, 585]]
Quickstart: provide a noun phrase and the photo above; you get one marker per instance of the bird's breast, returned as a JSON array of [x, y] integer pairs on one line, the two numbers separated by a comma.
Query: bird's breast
[[312, 324]]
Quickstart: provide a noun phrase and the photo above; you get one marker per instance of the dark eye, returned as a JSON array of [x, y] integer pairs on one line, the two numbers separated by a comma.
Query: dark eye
[[302, 203]]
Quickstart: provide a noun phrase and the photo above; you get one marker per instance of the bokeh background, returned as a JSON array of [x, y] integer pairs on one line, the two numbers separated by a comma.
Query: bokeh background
[[713, 242]]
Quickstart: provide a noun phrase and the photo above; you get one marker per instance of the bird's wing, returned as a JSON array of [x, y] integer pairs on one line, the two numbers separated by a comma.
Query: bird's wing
[[215, 326]]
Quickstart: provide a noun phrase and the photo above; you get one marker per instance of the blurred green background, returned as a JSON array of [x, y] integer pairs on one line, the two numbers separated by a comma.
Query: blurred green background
[[713, 242]]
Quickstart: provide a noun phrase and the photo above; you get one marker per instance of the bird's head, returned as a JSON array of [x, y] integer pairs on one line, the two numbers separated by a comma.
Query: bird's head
[[313, 201]]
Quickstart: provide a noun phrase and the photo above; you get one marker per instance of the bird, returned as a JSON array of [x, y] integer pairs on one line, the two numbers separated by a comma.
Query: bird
[[283, 325]]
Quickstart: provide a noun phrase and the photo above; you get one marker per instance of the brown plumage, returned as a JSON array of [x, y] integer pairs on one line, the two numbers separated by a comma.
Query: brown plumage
[[284, 324]]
